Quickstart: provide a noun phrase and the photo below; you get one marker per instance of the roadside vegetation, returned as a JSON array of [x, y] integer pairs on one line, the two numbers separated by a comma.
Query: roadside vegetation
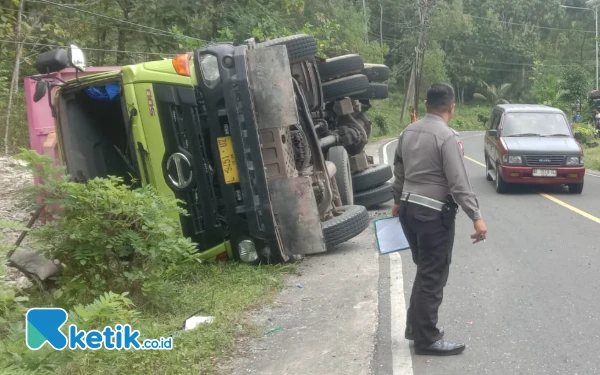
[[127, 264], [492, 51]]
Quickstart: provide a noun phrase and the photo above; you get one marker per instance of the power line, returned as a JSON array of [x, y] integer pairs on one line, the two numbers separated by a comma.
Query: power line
[[116, 19], [89, 49], [528, 25]]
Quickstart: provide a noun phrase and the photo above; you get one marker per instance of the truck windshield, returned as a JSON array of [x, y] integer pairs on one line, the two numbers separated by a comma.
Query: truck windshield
[[535, 124]]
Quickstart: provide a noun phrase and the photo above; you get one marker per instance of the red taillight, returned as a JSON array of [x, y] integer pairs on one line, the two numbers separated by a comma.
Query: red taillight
[[181, 63]]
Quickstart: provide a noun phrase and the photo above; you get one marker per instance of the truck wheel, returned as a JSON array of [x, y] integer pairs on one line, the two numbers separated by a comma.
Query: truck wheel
[[375, 91], [343, 176], [372, 177], [374, 197], [340, 67], [344, 87], [376, 72], [300, 47], [352, 222]]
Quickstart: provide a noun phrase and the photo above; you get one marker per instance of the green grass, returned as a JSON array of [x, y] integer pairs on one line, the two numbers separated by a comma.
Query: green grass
[[385, 115], [224, 290], [592, 158]]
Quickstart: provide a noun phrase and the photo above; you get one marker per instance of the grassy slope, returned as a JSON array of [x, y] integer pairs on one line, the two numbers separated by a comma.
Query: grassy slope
[[592, 158], [223, 290], [388, 112]]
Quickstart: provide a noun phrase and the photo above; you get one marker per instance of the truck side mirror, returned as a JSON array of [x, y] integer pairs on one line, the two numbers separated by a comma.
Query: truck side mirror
[[578, 136], [41, 87], [76, 58], [493, 133]]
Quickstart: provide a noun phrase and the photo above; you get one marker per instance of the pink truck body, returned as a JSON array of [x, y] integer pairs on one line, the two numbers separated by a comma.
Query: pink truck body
[[42, 135]]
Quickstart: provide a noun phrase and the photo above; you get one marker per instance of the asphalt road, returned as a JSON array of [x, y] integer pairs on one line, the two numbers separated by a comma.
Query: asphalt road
[[526, 301]]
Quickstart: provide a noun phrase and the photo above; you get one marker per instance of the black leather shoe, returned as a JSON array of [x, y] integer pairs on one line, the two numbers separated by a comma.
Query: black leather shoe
[[409, 335], [440, 348]]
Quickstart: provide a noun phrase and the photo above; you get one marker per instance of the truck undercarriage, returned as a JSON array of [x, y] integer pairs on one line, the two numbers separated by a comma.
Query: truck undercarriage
[[266, 150]]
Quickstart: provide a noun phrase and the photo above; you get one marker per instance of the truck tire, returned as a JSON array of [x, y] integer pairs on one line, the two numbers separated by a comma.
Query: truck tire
[[374, 197], [371, 178], [352, 222], [376, 72], [344, 87], [340, 66], [374, 92], [343, 176], [300, 47]]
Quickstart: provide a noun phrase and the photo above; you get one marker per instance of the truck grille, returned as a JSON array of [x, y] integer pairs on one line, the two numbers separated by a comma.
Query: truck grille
[[545, 160]]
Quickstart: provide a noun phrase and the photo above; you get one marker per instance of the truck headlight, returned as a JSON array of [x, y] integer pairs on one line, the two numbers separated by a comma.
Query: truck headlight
[[209, 66], [247, 251], [511, 159], [574, 160]]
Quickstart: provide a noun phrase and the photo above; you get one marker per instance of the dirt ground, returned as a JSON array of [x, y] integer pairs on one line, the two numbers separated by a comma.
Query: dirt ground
[[13, 179]]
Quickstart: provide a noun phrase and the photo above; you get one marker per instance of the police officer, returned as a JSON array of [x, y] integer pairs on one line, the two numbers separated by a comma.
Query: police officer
[[430, 184]]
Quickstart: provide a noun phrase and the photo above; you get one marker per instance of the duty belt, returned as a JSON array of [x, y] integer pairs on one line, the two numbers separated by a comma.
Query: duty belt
[[422, 201]]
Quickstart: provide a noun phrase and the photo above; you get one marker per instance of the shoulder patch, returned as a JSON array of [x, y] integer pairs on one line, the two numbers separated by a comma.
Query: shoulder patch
[[462, 149]]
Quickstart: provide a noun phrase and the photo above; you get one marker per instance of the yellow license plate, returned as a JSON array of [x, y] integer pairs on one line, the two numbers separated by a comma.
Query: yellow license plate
[[230, 170]]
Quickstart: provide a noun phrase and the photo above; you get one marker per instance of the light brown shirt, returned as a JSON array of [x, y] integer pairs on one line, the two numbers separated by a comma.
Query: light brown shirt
[[429, 161]]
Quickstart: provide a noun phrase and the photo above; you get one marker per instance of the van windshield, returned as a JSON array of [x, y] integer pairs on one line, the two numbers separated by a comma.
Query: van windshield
[[535, 124]]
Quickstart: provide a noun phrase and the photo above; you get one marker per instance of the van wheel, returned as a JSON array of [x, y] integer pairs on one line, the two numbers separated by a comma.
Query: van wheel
[[300, 47], [576, 188], [371, 177], [488, 171], [344, 87], [340, 66], [343, 175], [376, 72], [374, 197], [501, 186], [352, 222]]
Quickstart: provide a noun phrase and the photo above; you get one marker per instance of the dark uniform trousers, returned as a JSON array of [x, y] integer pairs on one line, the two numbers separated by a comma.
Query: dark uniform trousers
[[431, 240]]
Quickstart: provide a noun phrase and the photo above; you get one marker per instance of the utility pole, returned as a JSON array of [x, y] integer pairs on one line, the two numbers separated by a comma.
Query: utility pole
[[381, 30], [423, 9], [366, 21]]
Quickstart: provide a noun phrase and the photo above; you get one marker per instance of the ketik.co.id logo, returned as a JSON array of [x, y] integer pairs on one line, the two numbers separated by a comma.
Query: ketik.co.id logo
[[43, 326]]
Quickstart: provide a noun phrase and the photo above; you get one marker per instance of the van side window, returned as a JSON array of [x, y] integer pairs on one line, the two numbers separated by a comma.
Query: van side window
[[495, 121]]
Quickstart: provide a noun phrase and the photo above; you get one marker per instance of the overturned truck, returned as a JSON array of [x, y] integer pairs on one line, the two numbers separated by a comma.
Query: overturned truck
[[263, 142]]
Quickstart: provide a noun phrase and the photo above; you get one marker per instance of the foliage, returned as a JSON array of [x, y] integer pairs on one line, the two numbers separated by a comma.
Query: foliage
[[575, 81], [434, 68], [106, 235], [587, 134], [592, 158], [493, 94], [549, 90], [224, 291]]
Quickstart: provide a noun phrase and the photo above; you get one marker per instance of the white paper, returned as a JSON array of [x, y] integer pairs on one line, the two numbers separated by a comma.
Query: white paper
[[194, 321], [390, 236]]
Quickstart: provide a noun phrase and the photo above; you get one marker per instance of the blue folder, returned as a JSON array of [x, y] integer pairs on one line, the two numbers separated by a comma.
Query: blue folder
[[389, 236]]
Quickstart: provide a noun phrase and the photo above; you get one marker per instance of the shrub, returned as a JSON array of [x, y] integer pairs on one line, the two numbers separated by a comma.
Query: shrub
[[107, 236], [587, 134]]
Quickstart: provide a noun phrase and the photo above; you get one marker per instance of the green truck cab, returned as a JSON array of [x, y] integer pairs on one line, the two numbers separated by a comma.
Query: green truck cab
[[226, 129]]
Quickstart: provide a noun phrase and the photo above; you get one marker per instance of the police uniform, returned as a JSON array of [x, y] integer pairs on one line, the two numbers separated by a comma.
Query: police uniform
[[430, 184]]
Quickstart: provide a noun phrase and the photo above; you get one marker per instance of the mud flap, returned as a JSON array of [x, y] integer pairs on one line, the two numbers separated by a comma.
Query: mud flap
[[293, 202]]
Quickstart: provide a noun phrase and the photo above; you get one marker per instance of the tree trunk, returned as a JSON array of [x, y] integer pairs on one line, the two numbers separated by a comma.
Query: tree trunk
[[125, 6], [14, 83]]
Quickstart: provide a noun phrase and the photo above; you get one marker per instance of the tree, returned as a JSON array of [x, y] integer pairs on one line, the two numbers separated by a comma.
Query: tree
[[494, 94]]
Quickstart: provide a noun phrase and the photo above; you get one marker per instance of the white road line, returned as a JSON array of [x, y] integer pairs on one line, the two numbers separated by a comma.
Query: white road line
[[401, 356], [385, 153]]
